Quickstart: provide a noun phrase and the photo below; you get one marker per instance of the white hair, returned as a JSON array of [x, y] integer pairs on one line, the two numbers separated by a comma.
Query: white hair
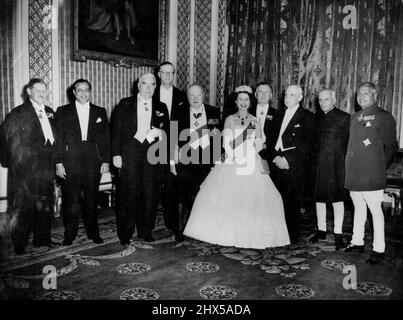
[[297, 87], [147, 75], [331, 93]]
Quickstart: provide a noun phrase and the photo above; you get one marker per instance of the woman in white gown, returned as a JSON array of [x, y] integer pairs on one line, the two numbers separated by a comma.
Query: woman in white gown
[[238, 204]]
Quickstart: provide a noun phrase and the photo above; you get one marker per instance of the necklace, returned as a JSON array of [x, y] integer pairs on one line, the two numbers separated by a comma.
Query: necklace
[[242, 118]]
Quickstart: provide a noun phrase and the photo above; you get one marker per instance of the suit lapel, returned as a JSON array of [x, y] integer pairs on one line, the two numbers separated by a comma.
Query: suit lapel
[[32, 114], [293, 120], [91, 121], [75, 120]]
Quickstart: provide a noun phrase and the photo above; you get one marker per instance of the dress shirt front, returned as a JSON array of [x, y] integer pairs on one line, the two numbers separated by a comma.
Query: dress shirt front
[[144, 108], [289, 113], [166, 97], [44, 121], [83, 111], [261, 114]]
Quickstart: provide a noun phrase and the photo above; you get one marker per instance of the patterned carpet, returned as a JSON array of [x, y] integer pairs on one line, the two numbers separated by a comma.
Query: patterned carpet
[[194, 270]]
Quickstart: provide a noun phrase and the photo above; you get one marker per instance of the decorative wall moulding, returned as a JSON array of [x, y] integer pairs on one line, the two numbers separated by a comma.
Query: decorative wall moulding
[[121, 33]]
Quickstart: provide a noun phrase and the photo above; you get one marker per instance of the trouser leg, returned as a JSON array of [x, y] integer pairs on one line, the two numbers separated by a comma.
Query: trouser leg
[[360, 217], [321, 215], [374, 201], [71, 205], [90, 212], [338, 209]]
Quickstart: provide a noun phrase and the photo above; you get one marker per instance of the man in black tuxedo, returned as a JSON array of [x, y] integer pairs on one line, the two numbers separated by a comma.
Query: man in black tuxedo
[[82, 156], [288, 147], [199, 146], [138, 122], [176, 102], [263, 111], [27, 140]]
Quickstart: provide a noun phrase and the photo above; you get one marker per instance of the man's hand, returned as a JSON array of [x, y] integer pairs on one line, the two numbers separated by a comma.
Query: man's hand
[[281, 163], [154, 133], [117, 162], [61, 171], [173, 169], [214, 132], [104, 168]]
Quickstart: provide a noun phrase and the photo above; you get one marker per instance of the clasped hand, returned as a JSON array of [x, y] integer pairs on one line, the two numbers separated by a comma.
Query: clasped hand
[[154, 133], [281, 163]]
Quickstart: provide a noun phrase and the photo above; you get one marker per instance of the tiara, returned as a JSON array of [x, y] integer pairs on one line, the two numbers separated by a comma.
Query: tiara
[[244, 88]]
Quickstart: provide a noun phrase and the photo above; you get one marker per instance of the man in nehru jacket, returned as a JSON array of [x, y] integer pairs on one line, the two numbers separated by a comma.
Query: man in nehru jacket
[[371, 148], [328, 155]]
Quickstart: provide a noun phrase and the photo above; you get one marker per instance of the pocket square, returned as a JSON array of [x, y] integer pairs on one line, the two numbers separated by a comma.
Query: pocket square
[[297, 125], [180, 103], [159, 114], [99, 120], [268, 117]]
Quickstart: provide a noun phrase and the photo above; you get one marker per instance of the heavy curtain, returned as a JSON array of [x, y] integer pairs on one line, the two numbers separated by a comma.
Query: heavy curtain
[[318, 44]]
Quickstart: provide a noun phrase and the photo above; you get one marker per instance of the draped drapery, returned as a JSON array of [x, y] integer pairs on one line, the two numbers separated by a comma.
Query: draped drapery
[[318, 43]]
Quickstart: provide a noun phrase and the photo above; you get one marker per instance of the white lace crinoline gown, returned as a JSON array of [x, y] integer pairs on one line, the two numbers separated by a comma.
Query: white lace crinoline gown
[[238, 205]]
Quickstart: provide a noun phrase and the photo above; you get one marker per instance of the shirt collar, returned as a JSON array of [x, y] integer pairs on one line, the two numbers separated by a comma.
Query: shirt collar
[[85, 105], [140, 99], [370, 108], [37, 106], [264, 107], [170, 89], [193, 110], [293, 109]]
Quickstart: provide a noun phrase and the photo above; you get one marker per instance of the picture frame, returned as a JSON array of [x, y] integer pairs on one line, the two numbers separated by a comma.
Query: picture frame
[[123, 33]]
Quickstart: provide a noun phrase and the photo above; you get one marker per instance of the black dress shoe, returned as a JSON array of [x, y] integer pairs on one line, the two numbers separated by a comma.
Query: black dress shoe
[[338, 241], [67, 242], [97, 240], [352, 247], [124, 242], [53, 244], [19, 250], [179, 237], [148, 239], [319, 235], [376, 257]]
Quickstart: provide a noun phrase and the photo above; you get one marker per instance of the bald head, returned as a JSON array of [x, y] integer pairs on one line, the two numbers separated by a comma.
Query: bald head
[[293, 95], [146, 85], [195, 94], [366, 95]]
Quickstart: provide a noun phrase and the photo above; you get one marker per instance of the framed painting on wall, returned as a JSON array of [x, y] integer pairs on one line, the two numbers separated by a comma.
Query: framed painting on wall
[[120, 32]]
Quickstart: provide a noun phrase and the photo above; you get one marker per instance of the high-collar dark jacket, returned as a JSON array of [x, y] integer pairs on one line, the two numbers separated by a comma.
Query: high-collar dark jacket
[[69, 134], [124, 124], [371, 148], [23, 151]]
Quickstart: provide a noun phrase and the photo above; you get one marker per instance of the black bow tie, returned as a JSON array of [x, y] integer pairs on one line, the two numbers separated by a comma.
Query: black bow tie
[[197, 115]]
